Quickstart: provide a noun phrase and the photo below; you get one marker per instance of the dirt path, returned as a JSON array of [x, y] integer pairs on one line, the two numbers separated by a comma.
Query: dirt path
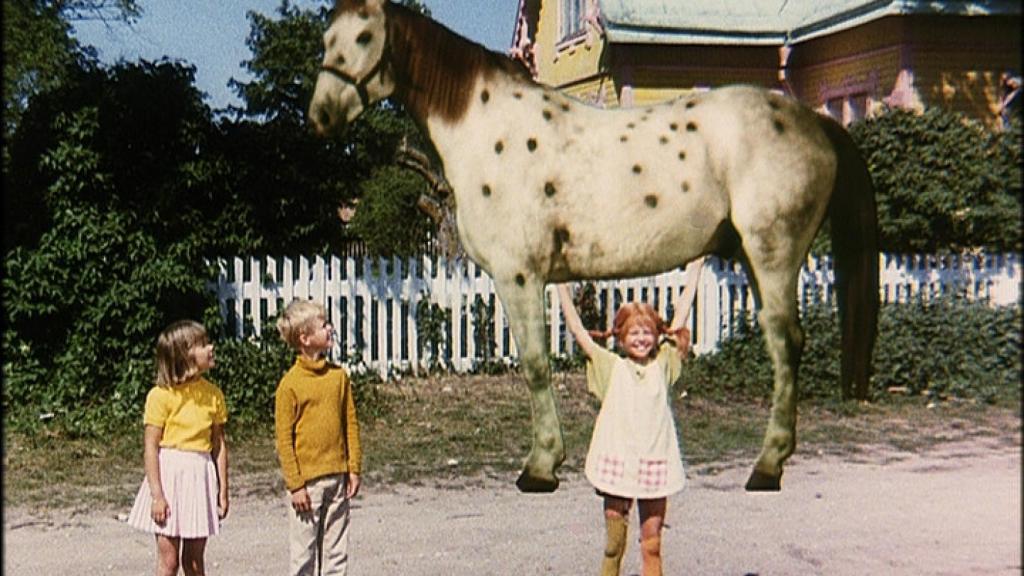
[[955, 510]]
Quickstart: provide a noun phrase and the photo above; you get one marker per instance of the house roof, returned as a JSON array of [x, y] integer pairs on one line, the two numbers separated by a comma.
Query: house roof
[[764, 21]]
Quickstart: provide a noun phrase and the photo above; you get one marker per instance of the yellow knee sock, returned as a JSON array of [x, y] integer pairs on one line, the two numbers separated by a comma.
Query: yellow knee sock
[[650, 549], [615, 548]]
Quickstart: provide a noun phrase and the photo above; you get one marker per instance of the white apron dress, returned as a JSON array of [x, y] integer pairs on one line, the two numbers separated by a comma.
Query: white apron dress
[[634, 450]]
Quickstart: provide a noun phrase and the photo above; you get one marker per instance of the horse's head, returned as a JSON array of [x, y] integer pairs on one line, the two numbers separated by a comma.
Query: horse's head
[[354, 72]]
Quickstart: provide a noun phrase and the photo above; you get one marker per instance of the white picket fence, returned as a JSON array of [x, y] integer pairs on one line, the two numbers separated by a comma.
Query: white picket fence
[[373, 302]]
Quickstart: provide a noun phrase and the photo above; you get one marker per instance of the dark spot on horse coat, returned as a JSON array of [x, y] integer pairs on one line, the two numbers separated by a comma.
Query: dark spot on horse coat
[[686, 186], [691, 127], [565, 107], [779, 126], [531, 144], [498, 147], [773, 104], [682, 155], [517, 95], [673, 126], [485, 96], [623, 138], [561, 238], [558, 264], [631, 125], [651, 200], [546, 98], [547, 115], [637, 168], [520, 280], [486, 190], [549, 189], [663, 139], [691, 104]]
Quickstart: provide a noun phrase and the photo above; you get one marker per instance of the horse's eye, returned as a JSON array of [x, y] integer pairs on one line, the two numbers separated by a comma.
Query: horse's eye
[[364, 38]]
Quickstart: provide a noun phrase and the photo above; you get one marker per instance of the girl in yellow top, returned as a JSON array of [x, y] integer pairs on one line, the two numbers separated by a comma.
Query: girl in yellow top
[[634, 450], [317, 436], [185, 493]]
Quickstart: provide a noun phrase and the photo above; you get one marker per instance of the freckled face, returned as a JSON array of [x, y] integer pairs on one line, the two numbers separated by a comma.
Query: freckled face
[[639, 342]]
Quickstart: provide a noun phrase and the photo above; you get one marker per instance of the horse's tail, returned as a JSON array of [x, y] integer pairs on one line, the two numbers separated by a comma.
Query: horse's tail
[[854, 224]]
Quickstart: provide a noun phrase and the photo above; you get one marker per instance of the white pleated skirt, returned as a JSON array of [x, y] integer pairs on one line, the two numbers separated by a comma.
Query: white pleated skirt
[[189, 481]]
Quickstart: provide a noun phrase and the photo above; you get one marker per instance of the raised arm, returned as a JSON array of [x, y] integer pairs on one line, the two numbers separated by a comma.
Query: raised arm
[[573, 322], [684, 302], [682, 306]]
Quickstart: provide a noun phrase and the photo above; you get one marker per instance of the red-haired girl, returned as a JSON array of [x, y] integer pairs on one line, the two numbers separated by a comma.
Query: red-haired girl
[[634, 451]]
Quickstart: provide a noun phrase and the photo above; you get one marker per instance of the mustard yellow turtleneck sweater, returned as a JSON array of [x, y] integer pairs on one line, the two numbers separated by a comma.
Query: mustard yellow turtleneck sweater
[[315, 423]]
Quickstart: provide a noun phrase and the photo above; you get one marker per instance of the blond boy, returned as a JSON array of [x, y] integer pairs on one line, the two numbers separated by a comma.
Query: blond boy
[[317, 437]]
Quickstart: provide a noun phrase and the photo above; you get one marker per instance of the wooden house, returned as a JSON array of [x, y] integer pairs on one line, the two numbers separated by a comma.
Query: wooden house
[[846, 58]]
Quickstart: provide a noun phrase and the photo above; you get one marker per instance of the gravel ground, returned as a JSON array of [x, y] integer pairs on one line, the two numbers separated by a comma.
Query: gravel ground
[[952, 510]]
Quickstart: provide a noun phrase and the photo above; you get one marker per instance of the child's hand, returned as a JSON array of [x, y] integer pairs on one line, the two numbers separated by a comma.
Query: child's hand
[[222, 507], [352, 487], [301, 502], [160, 510]]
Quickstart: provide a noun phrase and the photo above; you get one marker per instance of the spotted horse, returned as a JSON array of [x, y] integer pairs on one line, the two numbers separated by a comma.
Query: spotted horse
[[549, 189]]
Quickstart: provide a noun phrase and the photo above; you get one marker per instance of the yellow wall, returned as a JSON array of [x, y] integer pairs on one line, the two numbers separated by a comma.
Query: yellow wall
[[570, 63]]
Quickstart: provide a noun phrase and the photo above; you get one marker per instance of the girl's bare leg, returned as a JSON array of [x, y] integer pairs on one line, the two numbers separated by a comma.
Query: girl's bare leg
[[652, 518], [192, 553], [167, 555], [616, 518]]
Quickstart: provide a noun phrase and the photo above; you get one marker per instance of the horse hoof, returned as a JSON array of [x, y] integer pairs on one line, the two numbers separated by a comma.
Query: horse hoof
[[761, 482], [529, 483]]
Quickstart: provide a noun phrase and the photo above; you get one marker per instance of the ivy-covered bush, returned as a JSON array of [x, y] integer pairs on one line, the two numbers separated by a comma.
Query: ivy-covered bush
[[248, 372], [943, 182], [945, 348]]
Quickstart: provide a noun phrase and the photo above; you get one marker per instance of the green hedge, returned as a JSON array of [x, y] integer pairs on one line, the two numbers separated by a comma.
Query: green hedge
[[945, 348]]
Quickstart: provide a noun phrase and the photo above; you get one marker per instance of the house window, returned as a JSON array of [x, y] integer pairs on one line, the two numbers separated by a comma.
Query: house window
[[572, 24], [858, 108], [834, 108], [847, 108]]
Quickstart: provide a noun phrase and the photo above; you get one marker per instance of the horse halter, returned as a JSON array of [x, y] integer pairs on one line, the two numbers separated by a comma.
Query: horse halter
[[360, 85]]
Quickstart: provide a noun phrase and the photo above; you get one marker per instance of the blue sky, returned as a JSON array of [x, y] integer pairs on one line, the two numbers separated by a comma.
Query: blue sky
[[210, 34]]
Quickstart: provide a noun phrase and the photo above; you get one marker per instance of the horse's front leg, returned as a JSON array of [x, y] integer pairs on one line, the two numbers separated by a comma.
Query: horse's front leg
[[780, 320], [524, 305]]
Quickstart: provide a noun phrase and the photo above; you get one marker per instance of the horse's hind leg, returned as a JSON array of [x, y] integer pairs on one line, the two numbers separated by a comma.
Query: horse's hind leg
[[780, 321], [523, 299]]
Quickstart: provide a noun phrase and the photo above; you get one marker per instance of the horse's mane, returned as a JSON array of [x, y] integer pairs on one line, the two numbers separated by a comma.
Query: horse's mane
[[435, 69]]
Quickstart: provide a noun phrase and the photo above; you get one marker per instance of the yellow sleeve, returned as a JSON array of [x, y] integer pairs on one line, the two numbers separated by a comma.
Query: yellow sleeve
[[354, 449], [599, 371], [157, 408], [285, 418]]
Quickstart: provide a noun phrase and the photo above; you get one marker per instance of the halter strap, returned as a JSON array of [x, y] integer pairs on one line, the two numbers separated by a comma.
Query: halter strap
[[360, 85]]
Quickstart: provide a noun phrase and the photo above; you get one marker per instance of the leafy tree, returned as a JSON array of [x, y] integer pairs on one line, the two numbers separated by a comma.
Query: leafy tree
[[38, 46], [352, 169], [390, 197], [285, 62], [943, 182], [83, 305]]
